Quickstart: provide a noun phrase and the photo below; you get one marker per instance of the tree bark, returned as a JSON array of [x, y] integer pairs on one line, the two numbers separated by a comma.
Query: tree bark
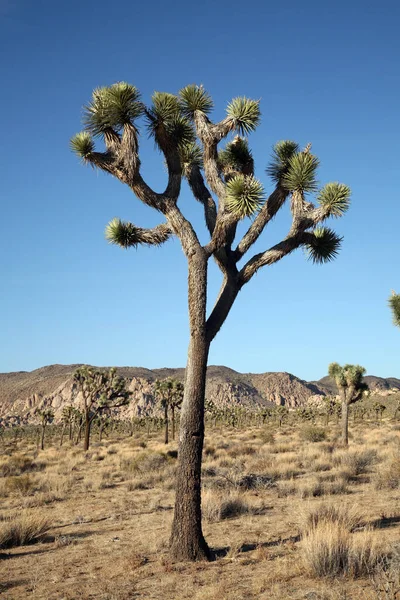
[[62, 434], [42, 438], [187, 540], [87, 434], [166, 437], [173, 421], [345, 423]]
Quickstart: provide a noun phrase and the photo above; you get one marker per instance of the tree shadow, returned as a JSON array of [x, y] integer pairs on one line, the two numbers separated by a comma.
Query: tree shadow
[[222, 552], [8, 585], [385, 522]]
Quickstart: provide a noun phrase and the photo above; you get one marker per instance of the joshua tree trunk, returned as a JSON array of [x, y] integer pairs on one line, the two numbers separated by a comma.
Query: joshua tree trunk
[[166, 437], [173, 421], [187, 540], [345, 423], [62, 434], [88, 423], [42, 438], [70, 431]]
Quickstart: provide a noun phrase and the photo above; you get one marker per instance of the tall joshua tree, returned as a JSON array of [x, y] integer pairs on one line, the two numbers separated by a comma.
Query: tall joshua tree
[[349, 381], [101, 390], [46, 416], [170, 392], [224, 183]]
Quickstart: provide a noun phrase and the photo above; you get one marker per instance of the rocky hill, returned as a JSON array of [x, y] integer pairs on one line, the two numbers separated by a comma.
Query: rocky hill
[[22, 392]]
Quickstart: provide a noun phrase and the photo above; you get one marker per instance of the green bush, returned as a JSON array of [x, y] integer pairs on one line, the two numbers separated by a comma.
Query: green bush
[[311, 433]]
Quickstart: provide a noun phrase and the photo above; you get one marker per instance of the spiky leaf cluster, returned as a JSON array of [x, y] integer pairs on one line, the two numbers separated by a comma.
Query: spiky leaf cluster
[[324, 246], [82, 144], [122, 234], [111, 108], [237, 156], [245, 114], [195, 98], [244, 195], [335, 198], [301, 173], [166, 112], [394, 303], [282, 153], [348, 375], [191, 155]]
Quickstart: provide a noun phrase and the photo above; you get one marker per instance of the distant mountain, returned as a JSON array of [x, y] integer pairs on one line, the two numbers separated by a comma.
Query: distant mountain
[[22, 392]]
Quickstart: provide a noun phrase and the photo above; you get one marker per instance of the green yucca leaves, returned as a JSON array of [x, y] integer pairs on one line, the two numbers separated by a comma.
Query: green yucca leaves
[[194, 97], [82, 144], [244, 195], [245, 114], [335, 198], [165, 106], [324, 246], [282, 152], [112, 108], [347, 375], [301, 173], [394, 303], [191, 156], [121, 233], [236, 155]]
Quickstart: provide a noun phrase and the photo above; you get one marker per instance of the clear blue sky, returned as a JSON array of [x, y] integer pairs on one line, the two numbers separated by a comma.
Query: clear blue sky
[[325, 72]]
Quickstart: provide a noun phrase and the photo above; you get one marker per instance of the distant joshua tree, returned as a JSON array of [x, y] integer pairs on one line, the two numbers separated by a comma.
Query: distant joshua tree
[[46, 416], [349, 380], [170, 393], [101, 391]]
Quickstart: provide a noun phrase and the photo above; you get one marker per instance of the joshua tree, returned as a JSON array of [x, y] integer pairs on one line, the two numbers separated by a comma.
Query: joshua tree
[[394, 303], [223, 182], [100, 392], [281, 414], [170, 393], [351, 387], [67, 418], [379, 409], [46, 416]]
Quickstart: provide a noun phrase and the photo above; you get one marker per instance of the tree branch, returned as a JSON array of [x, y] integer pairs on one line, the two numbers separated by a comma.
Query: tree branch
[[202, 195], [267, 212]]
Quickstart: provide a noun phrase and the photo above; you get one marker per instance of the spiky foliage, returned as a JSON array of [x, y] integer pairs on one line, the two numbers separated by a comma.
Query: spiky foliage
[[335, 198], [245, 114], [237, 156], [394, 303], [166, 112], [244, 195], [126, 235], [301, 173], [82, 144], [195, 98], [324, 245], [347, 376], [191, 156], [111, 108], [282, 153]]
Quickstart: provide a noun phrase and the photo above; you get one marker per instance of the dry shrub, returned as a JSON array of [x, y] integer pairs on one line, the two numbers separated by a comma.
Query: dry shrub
[[320, 487], [311, 433], [388, 477], [18, 464], [22, 528], [42, 499], [356, 462], [144, 462], [349, 518], [241, 450], [267, 436], [329, 549], [23, 484], [217, 507]]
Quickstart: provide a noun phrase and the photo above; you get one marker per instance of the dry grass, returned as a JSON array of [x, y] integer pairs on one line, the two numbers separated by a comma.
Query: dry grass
[[22, 528], [110, 512]]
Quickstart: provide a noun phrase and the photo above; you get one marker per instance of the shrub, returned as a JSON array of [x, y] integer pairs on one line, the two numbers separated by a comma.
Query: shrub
[[388, 478], [311, 433], [23, 484], [144, 462], [16, 465], [356, 462], [217, 507], [22, 529]]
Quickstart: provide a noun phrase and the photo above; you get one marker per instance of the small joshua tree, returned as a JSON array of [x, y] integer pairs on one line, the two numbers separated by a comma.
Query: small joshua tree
[[349, 381], [223, 181], [46, 416], [100, 391], [170, 393]]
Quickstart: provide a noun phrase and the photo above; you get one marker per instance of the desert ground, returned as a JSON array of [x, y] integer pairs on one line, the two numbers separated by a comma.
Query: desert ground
[[286, 516]]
